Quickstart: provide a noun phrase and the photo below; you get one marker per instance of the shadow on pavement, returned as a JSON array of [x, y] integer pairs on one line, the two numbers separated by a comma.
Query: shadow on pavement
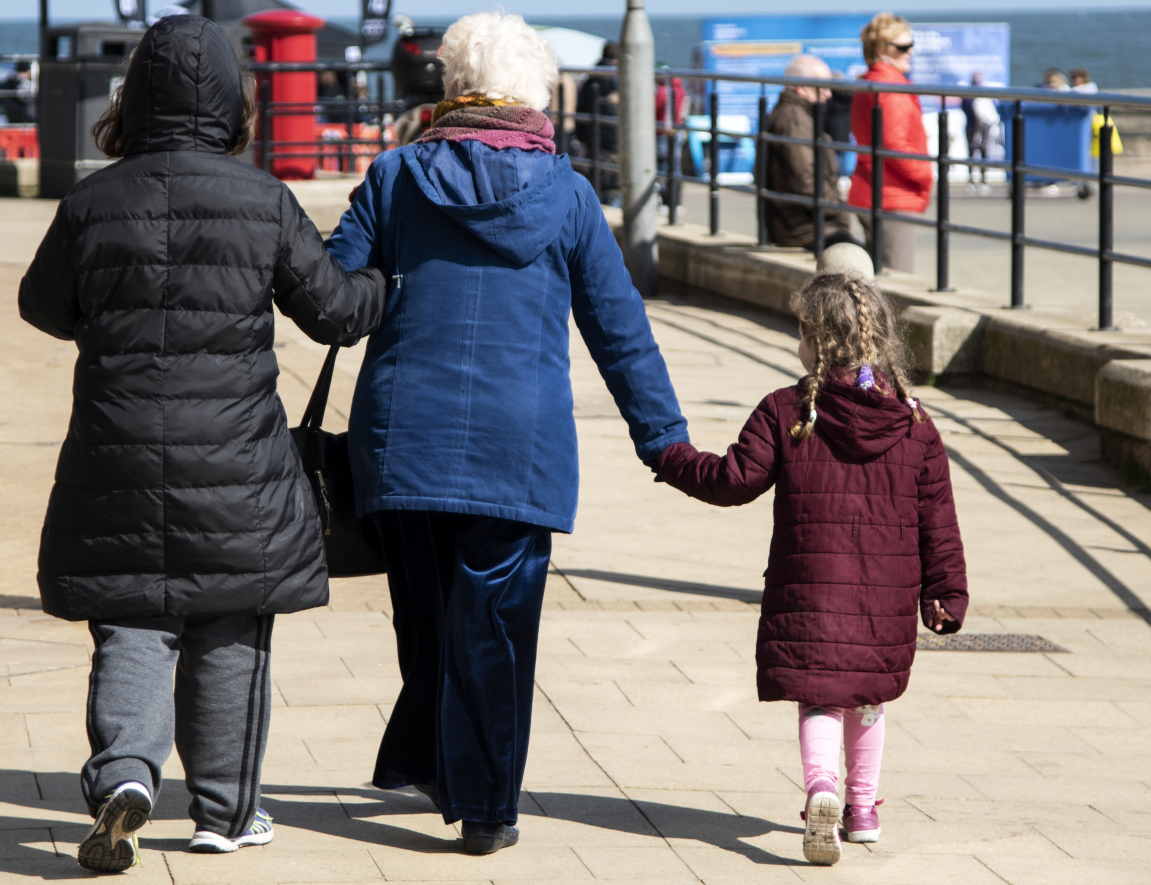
[[716, 590], [719, 829], [329, 815], [325, 810]]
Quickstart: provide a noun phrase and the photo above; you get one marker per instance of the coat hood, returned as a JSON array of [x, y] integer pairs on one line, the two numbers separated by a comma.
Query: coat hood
[[183, 90], [514, 201], [860, 424]]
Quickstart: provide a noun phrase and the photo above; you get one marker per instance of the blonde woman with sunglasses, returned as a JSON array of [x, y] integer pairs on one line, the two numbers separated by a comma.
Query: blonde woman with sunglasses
[[888, 47]]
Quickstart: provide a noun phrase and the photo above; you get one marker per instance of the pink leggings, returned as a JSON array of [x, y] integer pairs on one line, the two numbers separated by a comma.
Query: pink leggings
[[822, 729]]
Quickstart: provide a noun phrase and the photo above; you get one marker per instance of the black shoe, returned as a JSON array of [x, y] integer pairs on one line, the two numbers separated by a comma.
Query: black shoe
[[488, 838], [431, 791]]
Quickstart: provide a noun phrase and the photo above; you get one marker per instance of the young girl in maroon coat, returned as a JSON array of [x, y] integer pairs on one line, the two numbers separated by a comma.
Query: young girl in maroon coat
[[865, 542]]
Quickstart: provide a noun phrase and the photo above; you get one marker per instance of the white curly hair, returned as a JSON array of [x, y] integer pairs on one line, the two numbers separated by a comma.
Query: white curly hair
[[500, 56]]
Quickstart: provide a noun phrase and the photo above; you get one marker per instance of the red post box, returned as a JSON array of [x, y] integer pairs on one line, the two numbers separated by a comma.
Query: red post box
[[288, 35]]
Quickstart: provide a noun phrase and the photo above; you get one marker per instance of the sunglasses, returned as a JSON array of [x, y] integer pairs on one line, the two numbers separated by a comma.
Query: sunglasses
[[902, 47]]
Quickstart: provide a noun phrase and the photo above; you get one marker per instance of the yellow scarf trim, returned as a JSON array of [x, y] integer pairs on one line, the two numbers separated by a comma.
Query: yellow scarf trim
[[465, 101]]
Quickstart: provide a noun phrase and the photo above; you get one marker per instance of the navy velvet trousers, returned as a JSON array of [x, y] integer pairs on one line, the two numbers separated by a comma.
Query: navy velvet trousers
[[466, 598]]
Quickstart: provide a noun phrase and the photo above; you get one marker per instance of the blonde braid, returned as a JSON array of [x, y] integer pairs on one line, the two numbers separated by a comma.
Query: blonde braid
[[901, 386], [866, 322], [802, 428]]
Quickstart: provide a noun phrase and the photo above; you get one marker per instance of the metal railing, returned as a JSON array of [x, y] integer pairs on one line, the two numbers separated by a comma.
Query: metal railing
[[1016, 167], [346, 149]]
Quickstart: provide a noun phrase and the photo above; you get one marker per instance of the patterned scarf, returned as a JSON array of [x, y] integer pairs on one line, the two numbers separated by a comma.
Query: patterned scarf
[[496, 122]]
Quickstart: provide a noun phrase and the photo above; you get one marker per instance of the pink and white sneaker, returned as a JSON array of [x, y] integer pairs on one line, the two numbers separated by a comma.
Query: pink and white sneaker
[[821, 843], [861, 823]]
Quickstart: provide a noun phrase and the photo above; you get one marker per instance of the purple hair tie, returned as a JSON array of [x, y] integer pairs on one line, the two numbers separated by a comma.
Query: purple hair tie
[[866, 380]]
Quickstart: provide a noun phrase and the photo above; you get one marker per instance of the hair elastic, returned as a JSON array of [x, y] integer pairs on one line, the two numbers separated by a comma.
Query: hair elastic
[[913, 403], [811, 416], [866, 379]]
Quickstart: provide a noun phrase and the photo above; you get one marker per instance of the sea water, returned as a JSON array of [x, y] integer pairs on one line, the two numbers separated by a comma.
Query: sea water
[[1111, 44]]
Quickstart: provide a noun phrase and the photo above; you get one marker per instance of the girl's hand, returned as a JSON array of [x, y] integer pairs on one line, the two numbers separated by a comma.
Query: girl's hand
[[939, 617]]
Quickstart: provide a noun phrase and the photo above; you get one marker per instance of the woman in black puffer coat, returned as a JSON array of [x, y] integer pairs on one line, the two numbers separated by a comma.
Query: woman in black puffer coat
[[180, 521]]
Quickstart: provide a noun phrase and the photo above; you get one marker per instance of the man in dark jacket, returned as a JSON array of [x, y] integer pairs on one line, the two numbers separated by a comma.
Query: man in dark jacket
[[791, 167], [180, 521], [601, 93]]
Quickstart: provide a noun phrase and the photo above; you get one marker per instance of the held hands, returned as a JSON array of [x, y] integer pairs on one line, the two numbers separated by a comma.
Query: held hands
[[939, 617]]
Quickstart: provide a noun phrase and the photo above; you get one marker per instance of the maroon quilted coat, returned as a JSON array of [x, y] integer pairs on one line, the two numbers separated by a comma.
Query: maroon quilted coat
[[865, 539]]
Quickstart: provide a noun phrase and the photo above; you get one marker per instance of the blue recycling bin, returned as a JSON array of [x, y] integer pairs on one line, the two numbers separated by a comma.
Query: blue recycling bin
[[1056, 135]]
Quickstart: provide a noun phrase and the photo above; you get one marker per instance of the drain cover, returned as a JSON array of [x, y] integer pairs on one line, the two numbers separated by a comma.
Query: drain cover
[[986, 642]]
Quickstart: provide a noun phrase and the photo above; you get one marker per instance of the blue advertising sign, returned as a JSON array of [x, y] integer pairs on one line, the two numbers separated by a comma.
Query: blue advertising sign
[[949, 54], [762, 45]]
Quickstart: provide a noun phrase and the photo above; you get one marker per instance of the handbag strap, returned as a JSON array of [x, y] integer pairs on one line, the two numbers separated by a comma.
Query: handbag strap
[[318, 404]]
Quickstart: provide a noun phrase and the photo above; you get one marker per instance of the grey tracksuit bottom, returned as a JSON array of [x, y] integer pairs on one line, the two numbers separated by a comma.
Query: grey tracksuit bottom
[[217, 714]]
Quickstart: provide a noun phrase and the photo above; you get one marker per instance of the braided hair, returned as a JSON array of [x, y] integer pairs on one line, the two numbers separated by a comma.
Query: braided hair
[[848, 323]]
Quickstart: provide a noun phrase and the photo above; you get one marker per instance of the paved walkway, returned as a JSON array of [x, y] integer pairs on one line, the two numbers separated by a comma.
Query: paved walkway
[[651, 758]]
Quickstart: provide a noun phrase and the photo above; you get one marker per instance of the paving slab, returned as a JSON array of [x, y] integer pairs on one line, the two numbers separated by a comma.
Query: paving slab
[[651, 759]]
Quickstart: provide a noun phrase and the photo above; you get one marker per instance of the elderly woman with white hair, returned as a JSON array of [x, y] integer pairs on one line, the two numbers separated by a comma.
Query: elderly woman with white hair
[[462, 436]]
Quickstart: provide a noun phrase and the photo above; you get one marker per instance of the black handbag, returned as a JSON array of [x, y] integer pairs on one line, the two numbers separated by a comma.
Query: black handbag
[[352, 544]]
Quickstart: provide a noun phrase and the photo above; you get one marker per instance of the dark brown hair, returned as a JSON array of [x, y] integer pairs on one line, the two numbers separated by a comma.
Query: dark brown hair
[[848, 322], [109, 129]]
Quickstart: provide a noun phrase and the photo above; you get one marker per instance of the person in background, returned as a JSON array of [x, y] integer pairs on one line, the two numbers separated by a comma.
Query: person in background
[[330, 89], [1056, 80], [19, 106], [982, 118], [679, 112], [608, 106], [1081, 81], [570, 94], [888, 47], [791, 167], [679, 106], [837, 125]]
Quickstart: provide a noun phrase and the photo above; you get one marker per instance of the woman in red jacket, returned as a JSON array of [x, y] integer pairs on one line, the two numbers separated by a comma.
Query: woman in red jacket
[[865, 542], [888, 47]]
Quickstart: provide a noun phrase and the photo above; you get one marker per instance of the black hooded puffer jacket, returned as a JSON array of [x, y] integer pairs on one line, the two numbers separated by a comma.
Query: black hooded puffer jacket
[[178, 490]]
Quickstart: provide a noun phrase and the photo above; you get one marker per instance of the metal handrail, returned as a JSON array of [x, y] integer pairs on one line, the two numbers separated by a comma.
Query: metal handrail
[[1010, 99]]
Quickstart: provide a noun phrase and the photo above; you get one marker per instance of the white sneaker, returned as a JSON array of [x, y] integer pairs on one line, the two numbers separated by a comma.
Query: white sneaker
[[821, 842], [259, 833], [110, 846]]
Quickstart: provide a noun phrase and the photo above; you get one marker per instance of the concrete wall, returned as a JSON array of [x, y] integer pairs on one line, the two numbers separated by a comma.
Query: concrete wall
[[1055, 352]]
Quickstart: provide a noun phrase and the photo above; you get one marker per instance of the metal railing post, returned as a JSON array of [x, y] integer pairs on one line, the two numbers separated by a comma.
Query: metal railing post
[[265, 125], [713, 156], [761, 161], [1106, 223], [943, 203], [669, 116], [876, 186], [1018, 195], [352, 109], [562, 135], [595, 126], [817, 187]]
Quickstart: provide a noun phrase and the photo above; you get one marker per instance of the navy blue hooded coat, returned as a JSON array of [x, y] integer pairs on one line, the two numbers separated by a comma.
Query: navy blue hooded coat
[[464, 401]]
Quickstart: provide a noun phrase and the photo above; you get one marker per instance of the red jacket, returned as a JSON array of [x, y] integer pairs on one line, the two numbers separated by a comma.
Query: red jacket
[[865, 539], [906, 183]]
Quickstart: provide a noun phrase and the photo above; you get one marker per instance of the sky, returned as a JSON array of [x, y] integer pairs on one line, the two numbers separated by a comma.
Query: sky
[[102, 9]]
